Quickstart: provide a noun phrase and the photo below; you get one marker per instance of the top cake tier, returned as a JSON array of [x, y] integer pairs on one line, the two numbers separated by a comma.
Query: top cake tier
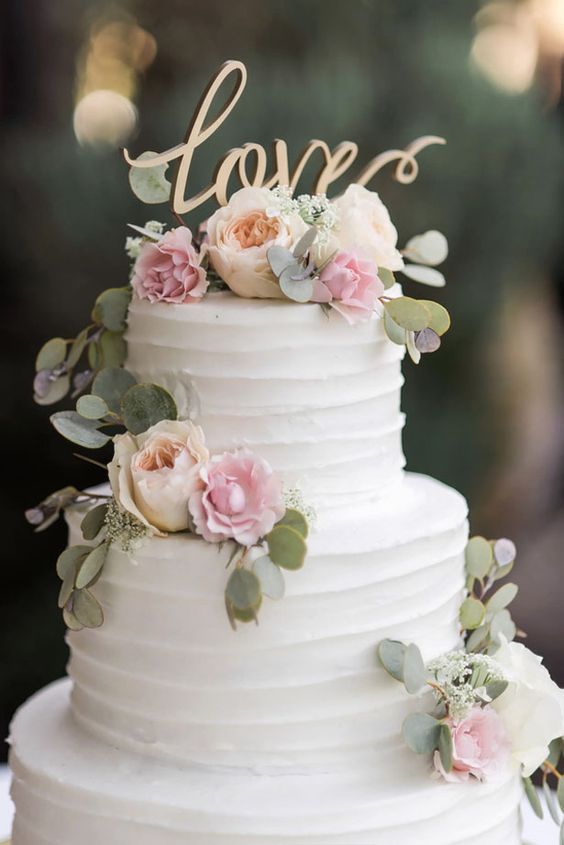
[[316, 397]]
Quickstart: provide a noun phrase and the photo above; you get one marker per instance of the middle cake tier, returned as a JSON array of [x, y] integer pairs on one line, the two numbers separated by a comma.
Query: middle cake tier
[[166, 675]]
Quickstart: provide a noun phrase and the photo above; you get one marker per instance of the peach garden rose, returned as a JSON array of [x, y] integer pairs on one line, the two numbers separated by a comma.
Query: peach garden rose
[[239, 236]]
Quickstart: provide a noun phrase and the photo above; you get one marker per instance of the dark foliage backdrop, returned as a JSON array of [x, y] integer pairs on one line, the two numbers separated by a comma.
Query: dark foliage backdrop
[[484, 414]]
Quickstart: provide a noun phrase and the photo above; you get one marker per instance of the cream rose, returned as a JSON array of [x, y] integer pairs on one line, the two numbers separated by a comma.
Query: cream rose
[[240, 235], [532, 707], [364, 227], [153, 474]]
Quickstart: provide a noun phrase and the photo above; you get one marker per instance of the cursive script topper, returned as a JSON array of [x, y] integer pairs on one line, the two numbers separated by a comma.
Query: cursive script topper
[[248, 163]]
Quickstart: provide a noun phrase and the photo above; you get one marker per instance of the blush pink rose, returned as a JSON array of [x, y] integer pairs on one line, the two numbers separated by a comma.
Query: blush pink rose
[[351, 285], [481, 746], [241, 499], [169, 270]]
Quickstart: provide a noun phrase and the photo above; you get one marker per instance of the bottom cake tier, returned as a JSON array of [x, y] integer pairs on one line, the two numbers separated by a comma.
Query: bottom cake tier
[[70, 787]]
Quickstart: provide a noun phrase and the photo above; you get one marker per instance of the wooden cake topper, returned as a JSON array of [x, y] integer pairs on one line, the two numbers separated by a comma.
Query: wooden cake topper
[[248, 163]]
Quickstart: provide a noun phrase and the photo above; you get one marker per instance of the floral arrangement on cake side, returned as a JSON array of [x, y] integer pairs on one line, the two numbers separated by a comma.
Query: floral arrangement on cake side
[[490, 704]]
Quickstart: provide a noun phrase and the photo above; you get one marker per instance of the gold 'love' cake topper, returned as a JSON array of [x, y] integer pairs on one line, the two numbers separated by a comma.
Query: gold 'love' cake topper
[[248, 163]]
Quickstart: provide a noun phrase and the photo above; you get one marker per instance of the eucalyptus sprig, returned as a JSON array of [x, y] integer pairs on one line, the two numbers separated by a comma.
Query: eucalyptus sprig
[[484, 615], [70, 365], [550, 770], [49, 510], [284, 548]]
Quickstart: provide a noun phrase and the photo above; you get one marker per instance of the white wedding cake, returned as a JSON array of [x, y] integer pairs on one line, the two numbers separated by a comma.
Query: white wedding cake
[[243, 689]]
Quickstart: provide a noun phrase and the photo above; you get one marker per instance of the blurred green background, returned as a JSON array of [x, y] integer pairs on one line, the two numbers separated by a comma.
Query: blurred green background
[[484, 413]]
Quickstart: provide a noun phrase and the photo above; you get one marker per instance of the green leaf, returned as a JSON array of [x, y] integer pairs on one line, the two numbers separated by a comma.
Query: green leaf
[[245, 615], [477, 638], [298, 290], [533, 797], [392, 655], [149, 184], [67, 588], [87, 609], [56, 391], [424, 275], [412, 349], [560, 793], [551, 802], [496, 688], [70, 620], [94, 355], [421, 733], [286, 547], [386, 277], [91, 566], [446, 747], [502, 623], [396, 333], [408, 313], [296, 520], [113, 348], [51, 354], [110, 309], [111, 384], [504, 551], [440, 318], [306, 242], [77, 348], [430, 248], [78, 430], [555, 752], [243, 590], [145, 405], [93, 522], [479, 557], [279, 258], [503, 571], [472, 613], [270, 577], [70, 559], [502, 598], [561, 837], [91, 407], [414, 671]]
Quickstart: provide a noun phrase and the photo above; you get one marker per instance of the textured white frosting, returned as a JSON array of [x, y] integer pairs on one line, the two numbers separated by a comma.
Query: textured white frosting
[[181, 731]]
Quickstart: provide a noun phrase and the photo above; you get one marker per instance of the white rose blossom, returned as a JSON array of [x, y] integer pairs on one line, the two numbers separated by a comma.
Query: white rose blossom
[[153, 474], [532, 706]]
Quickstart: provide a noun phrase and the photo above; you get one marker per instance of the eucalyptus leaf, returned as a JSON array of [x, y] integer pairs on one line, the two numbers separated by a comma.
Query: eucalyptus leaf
[[306, 242], [279, 258], [502, 623], [503, 571], [551, 801], [77, 348], [249, 615], [430, 248], [93, 521], [408, 313], [440, 318], [91, 566], [94, 355], [151, 234], [110, 308], [296, 520], [243, 590], [70, 620], [87, 609], [396, 333], [446, 747], [472, 613], [392, 656], [412, 349], [145, 405], [424, 275], [421, 733], [78, 430], [286, 547], [503, 597], [56, 390], [270, 577], [477, 638], [533, 797], [111, 384], [70, 559], [414, 671], [555, 752], [560, 793], [386, 277], [479, 557], [427, 340], [561, 835], [113, 348], [91, 407], [51, 354], [495, 689], [504, 551], [149, 184], [298, 290], [67, 588]]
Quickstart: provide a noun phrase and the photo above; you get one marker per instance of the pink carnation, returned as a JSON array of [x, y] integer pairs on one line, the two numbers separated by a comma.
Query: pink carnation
[[169, 270], [351, 285], [241, 499], [480, 746]]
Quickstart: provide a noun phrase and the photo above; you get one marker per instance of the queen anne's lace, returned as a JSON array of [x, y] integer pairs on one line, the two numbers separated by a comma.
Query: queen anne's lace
[[314, 209], [463, 678], [123, 528]]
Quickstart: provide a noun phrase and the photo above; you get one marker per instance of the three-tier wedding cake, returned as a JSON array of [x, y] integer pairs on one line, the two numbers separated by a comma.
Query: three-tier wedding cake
[[277, 635]]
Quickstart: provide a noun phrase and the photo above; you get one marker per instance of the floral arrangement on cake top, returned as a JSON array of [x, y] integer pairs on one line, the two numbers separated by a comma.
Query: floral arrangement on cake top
[[341, 254], [491, 704]]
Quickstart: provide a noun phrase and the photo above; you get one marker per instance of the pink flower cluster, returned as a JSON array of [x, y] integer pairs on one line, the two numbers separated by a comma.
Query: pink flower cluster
[[350, 285], [240, 499], [170, 270], [481, 746]]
